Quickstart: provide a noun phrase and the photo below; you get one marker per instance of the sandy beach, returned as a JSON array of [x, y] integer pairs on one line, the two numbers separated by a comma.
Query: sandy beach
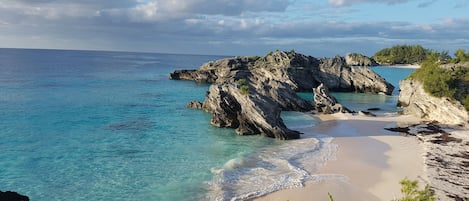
[[410, 66], [370, 161]]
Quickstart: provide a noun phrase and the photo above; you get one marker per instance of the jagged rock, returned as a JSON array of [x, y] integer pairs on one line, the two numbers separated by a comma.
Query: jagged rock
[[250, 92], [253, 113], [325, 102], [416, 101], [301, 72], [12, 196], [355, 59], [194, 105]]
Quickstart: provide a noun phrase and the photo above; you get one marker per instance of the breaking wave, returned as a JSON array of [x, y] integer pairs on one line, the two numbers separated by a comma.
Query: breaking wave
[[285, 166]]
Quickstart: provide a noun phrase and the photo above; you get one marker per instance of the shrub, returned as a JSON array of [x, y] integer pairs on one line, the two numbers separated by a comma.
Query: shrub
[[242, 82], [411, 192], [244, 89], [440, 82], [465, 102]]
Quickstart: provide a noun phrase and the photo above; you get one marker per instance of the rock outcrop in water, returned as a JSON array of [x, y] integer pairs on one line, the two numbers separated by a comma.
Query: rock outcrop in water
[[355, 59], [326, 103], [249, 93], [416, 101], [299, 71]]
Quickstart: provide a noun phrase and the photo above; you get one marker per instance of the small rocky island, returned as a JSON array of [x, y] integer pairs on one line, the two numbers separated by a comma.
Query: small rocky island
[[249, 93]]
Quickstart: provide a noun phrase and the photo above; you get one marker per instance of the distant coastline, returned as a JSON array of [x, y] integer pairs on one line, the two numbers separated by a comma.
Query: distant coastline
[[409, 66]]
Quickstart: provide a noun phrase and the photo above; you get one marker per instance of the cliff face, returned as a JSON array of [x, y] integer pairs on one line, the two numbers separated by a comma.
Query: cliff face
[[416, 101], [249, 93], [355, 59]]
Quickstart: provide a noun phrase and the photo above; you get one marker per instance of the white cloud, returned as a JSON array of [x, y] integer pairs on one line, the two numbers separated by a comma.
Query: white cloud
[[351, 2]]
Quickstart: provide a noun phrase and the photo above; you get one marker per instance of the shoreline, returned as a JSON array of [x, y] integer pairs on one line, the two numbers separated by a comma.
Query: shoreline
[[406, 66], [370, 161]]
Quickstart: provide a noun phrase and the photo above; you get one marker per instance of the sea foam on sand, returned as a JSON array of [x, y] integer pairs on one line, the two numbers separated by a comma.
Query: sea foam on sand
[[285, 166], [372, 159]]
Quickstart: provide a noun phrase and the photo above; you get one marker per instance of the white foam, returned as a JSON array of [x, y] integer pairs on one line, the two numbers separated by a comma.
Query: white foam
[[286, 166]]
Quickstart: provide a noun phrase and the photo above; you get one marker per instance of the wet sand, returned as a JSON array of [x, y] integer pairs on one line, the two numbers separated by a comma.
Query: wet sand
[[370, 161]]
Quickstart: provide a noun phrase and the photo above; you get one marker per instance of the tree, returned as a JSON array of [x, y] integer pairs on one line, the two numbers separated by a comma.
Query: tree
[[461, 56]]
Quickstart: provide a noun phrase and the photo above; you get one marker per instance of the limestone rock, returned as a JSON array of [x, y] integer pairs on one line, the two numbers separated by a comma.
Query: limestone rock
[[299, 71], [249, 93], [253, 113], [355, 59], [325, 102], [416, 101]]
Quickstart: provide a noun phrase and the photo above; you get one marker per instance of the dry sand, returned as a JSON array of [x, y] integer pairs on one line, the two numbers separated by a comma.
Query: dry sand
[[411, 66], [371, 159]]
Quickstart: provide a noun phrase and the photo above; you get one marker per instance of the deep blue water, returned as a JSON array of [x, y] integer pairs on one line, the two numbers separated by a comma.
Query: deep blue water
[[85, 125]]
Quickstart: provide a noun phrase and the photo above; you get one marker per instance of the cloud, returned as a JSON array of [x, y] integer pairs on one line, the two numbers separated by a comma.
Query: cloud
[[214, 27], [351, 2], [426, 3]]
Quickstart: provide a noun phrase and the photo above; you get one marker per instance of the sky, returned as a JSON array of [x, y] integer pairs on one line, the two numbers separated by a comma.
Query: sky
[[321, 28]]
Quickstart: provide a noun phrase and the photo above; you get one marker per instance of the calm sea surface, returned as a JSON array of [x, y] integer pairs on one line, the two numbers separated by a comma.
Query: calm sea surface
[[85, 125]]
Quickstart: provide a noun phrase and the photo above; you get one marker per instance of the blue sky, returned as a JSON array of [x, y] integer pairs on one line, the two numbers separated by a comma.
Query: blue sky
[[234, 27]]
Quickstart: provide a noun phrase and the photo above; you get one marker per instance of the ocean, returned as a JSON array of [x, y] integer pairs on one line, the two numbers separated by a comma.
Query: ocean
[[95, 125]]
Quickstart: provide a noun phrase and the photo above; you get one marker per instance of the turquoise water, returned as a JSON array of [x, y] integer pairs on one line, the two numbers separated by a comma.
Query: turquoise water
[[358, 101], [78, 125], [84, 125]]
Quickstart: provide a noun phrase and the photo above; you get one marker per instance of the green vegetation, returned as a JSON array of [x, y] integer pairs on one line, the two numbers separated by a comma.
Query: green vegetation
[[461, 56], [445, 82], [243, 86], [411, 192], [402, 54]]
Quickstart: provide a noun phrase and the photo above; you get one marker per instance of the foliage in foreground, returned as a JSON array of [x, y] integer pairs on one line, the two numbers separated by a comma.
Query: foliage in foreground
[[411, 192]]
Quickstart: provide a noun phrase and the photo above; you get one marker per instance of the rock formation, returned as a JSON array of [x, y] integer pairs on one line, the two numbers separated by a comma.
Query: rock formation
[[299, 71], [12, 196], [416, 101], [257, 112], [446, 158], [249, 93], [355, 59], [326, 103]]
